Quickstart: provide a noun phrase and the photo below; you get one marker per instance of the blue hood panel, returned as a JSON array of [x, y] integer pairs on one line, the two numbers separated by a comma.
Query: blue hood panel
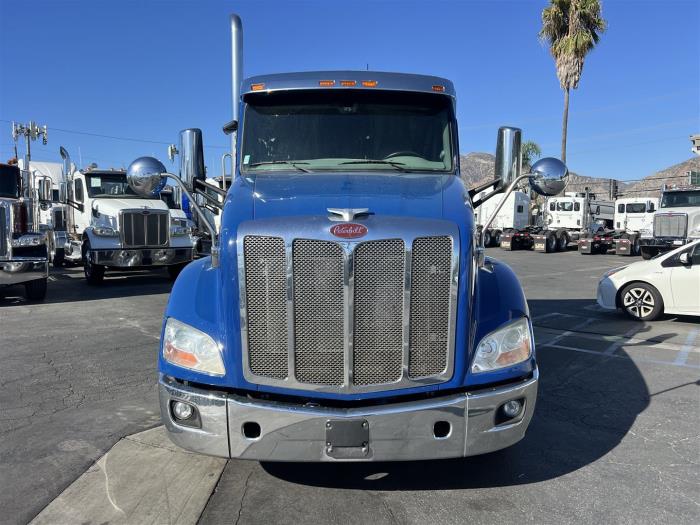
[[285, 194]]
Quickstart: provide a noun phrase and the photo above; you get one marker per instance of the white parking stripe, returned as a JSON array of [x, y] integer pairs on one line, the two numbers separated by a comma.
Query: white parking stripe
[[567, 333], [610, 350], [612, 356], [682, 356]]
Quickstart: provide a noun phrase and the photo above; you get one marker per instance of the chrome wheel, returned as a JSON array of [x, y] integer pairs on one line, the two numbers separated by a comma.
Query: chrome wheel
[[639, 302]]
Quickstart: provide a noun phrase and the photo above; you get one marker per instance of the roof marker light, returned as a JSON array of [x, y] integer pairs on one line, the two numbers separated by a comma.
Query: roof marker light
[[369, 83], [257, 87], [326, 83], [439, 89], [348, 83]]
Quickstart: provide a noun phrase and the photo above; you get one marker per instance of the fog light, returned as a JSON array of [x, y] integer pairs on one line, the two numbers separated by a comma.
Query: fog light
[[512, 408], [182, 410]]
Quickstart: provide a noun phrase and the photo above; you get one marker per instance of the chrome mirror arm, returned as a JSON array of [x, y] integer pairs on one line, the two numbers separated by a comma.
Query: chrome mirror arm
[[202, 216], [480, 248]]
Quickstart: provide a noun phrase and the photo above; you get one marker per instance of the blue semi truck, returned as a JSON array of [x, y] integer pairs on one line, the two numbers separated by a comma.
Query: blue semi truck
[[347, 310]]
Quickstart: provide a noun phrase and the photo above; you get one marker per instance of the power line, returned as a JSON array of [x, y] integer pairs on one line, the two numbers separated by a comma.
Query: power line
[[113, 137]]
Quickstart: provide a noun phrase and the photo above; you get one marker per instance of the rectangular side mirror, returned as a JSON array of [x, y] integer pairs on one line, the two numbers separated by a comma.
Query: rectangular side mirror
[[44, 190], [684, 258], [63, 192]]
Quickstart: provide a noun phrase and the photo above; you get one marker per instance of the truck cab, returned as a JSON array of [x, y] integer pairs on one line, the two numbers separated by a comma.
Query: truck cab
[[635, 215], [676, 222], [23, 246], [347, 312], [112, 227]]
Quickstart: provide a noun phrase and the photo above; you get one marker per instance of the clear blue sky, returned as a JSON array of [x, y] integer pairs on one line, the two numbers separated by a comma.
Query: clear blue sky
[[146, 69]]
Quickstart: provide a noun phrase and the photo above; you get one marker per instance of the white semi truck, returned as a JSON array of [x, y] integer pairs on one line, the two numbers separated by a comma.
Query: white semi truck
[[514, 215], [676, 222], [567, 219], [52, 214], [110, 227]]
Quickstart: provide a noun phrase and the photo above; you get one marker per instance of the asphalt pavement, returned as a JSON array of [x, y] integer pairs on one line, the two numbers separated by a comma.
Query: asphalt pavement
[[614, 437]]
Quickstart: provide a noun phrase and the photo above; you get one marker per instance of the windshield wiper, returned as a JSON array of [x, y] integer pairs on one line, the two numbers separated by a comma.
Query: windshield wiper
[[292, 163], [396, 165]]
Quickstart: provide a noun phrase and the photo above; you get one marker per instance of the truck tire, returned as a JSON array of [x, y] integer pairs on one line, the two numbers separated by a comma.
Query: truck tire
[[636, 248], [35, 290], [641, 301], [487, 238], [174, 270], [59, 258], [497, 238], [648, 253], [550, 243], [562, 241], [94, 273]]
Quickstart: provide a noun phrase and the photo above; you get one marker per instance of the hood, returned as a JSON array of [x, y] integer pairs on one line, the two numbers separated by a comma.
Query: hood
[[112, 206], [418, 195]]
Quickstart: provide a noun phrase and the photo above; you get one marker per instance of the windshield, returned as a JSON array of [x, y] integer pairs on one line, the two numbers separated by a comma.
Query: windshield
[[565, 206], [347, 130], [9, 181], [108, 185], [680, 199], [637, 207]]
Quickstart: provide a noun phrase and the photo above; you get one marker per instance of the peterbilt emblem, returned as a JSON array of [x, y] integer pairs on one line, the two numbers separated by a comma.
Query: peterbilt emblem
[[146, 212], [349, 230]]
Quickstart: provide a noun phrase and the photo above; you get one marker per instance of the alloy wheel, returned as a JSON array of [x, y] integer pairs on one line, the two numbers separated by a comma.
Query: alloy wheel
[[639, 302]]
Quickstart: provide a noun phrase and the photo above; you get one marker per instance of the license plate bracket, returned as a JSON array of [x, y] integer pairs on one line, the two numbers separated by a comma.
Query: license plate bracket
[[347, 438]]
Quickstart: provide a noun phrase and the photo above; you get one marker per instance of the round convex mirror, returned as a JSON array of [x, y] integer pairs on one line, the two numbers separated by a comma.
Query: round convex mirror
[[547, 176], [144, 176]]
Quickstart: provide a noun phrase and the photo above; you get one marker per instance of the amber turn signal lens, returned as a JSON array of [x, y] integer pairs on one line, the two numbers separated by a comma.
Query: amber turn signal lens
[[439, 89], [348, 83], [369, 83], [326, 83], [257, 87]]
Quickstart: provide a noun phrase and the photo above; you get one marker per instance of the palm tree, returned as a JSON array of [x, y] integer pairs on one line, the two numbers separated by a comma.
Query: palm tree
[[529, 151], [571, 28]]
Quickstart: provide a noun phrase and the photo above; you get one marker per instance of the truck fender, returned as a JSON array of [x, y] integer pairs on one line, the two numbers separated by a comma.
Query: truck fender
[[498, 300]]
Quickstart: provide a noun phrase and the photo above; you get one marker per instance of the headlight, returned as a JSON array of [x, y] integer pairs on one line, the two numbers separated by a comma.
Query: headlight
[[189, 348], [505, 347], [105, 231], [28, 240], [179, 227]]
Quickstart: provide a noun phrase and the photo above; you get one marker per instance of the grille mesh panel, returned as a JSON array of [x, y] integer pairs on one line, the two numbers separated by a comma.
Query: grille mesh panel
[[3, 230], [318, 312], [378, 325], [139, 229], [670, 225], [266, 303], [430, 306]]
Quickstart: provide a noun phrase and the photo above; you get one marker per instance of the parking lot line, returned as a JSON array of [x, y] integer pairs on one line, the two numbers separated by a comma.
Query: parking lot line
[[615, 356], [569, 332], [610, 350], [682, 356]]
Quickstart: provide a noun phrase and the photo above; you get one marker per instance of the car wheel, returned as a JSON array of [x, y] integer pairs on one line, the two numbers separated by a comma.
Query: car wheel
[[641, 301]]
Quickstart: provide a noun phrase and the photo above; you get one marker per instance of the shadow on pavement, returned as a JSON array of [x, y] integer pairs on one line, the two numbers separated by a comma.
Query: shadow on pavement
[[68, 285], [586, 405]]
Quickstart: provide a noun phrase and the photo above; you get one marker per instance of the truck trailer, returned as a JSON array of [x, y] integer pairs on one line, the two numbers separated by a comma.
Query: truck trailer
[[347, 311]]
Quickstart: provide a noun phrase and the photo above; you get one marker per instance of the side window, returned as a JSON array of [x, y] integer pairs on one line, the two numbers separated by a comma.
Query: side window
[[79, 197], [520, 208], [577, 206], [551, 206], [695, 257], [620, 208]]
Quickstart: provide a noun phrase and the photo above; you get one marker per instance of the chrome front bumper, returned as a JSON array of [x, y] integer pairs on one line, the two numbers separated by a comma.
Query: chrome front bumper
[[396, 432], [140, 257], [21, 271]]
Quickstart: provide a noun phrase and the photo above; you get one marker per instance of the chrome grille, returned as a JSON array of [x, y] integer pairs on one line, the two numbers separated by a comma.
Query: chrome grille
[[3, 230], [266, 300], [144, 229], [323, 314], [430, 306], [319, 342], [378, 313], [671, 225]]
